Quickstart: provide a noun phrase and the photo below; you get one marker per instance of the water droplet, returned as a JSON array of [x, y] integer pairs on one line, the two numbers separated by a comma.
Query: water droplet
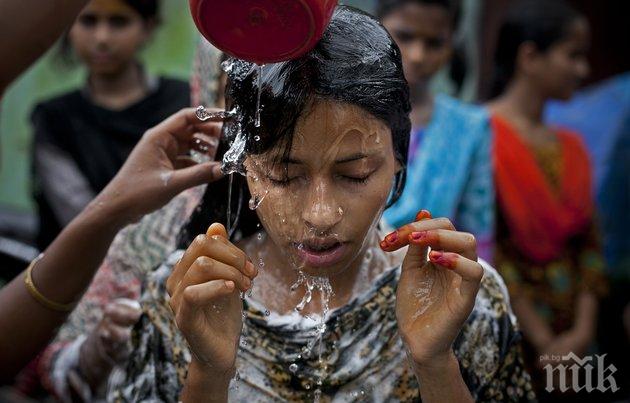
[[227, 66], [251, 289], [368, 255], [229, 206], [199, 157], [293, 367], [260, 72], [236, 380], [256, 138], [255, 201], [166, 177], [340, 211], [267, 313], [261, 263]]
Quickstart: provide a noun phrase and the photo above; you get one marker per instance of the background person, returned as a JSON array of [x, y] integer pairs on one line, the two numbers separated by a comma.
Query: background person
[[83, 137], [450, 170], [548, 248]]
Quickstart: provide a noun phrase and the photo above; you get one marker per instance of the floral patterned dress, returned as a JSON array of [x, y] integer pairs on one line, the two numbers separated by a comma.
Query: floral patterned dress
[[362, 353]]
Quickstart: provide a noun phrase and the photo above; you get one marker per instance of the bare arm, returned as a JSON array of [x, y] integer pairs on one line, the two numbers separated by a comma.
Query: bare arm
[[28, 29], [69, 263], [203, 385], [442, 382], [61, 275]]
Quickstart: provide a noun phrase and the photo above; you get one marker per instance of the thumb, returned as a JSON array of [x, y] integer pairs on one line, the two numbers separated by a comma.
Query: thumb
[[217, 229], [416, 256], [196, 175]]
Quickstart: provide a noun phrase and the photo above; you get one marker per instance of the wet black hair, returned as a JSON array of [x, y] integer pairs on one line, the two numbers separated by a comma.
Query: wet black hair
[[355, 62], [149, 11], [541, 22]]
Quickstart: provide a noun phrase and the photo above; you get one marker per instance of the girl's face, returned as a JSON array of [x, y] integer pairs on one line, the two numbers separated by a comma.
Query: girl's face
[[560, 70], [423, 33], [321, 203], [107, 35]]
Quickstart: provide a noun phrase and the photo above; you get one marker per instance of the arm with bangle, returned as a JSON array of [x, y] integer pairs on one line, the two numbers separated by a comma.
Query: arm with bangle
[[34, 305]]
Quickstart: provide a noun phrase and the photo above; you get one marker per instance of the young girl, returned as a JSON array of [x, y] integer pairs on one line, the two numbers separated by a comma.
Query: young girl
[[82, 138], [449, 169], [547, 248], [328, 156]]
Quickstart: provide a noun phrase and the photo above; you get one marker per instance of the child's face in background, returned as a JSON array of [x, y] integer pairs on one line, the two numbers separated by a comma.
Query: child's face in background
[[107, 35], [560, 70], [423, 33]]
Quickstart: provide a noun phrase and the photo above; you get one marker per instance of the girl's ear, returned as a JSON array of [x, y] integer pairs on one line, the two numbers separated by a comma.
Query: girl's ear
[[527, 58]]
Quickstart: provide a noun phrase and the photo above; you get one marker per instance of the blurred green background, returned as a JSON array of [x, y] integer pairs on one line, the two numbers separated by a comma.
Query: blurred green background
[[170, 53]]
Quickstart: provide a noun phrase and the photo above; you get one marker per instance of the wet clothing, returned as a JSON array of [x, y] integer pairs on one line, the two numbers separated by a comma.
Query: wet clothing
[[362, 353]]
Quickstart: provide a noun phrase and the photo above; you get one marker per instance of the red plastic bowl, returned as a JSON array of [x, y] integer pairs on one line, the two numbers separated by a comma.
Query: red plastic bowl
[[263, 31]]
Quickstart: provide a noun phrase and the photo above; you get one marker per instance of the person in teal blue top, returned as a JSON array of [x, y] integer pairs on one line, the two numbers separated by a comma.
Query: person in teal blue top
[[449, 170]]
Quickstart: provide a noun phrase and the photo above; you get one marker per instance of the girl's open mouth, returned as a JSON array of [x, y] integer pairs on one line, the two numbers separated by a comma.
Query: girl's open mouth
[[321, 253]]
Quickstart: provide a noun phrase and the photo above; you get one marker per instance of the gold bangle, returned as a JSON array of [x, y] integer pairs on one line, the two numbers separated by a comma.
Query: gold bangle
[[38, 296]]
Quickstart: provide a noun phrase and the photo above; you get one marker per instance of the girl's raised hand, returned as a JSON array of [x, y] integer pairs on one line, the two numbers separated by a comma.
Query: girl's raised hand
[[204, 289], [436, 293]]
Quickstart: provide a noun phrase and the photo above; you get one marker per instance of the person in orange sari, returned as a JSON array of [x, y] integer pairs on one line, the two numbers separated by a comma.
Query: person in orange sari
[[547, 245]]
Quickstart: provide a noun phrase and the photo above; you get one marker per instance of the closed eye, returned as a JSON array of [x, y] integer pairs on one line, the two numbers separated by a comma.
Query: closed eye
[[282, 182], [357, 180]]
